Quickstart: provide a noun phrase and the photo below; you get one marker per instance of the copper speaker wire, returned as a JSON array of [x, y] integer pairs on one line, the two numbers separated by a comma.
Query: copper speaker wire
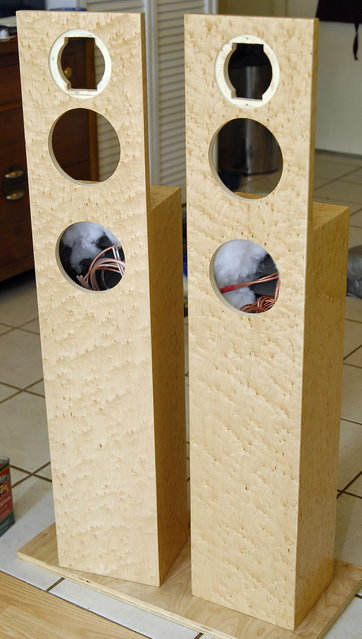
[[112, 264]]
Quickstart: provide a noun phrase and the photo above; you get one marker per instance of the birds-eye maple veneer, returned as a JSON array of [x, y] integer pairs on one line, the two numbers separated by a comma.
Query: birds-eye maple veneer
[[113, 360], [264, 389]]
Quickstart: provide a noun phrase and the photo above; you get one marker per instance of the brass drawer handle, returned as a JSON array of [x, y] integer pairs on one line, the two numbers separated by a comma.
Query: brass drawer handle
[[15, 173], [15, 195]]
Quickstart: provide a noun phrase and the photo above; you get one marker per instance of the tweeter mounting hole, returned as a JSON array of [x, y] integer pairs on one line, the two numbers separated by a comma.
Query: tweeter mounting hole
[[247, 71], [63, 75]]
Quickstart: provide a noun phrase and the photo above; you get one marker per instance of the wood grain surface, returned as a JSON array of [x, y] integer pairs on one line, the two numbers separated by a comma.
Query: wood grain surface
[[28, 612], [117, 444], [174, 601], [264, 389]]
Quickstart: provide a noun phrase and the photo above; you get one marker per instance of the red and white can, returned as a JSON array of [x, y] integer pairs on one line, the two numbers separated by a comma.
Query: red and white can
[[6, 500]]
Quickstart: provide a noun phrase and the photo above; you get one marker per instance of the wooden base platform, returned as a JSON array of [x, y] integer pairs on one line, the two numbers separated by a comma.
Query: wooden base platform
[[173, 600]]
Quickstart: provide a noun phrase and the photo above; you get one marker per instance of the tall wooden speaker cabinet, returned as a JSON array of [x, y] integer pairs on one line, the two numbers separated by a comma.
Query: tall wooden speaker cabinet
[[113, 353], [264, 386]]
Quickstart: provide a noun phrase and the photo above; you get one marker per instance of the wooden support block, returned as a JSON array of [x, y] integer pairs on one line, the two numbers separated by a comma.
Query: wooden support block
[[174, 601], [265, 388], [114, 359]]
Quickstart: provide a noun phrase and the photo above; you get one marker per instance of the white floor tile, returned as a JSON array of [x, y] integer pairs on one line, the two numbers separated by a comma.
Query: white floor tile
[[352, 337], [350, 453], [18, 303], [351, 394], [6, 391], [138, 620], [349, 529], [24, 434], [33, 505], [354, 309], [349, 624], [20, 362]]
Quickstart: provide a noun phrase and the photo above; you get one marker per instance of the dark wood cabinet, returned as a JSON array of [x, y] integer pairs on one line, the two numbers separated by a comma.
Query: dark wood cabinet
[[16, 249], [74, 143]]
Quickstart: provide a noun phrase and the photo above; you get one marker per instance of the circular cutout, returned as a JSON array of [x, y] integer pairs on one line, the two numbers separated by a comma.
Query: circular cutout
[[73, 145], [91, 256], [70, 58], [244, 277], [247, 71], [246, 158]]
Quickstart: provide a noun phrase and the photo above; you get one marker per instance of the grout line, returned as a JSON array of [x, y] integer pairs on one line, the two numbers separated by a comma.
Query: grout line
[[351, 421], [352, 353], [26, 388], [54, 584], [351, 365], [351, 482], [28, 322], [358, 211], [20, 480], [40, 468], [345, 492], [22, 470], [17, 392], [348, 319]]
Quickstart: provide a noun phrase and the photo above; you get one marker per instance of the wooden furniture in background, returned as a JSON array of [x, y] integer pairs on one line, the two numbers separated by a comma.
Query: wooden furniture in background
[[264, 389], [16, 250], [113, 360], [77, 152]]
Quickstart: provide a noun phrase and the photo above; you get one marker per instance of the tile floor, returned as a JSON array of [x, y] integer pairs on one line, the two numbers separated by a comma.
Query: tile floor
[[24, 435]]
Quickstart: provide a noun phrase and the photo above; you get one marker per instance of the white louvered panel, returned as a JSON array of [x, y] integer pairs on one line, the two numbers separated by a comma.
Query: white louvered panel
[[166, 96], [170, 29]]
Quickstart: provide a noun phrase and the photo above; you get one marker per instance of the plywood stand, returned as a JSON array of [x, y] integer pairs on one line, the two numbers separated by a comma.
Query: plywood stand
[[174, 601], [116, 422]]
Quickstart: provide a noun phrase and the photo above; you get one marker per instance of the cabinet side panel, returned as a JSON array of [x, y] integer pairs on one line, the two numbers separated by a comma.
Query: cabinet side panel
[[322, 383], [166, 290], [96, 346]]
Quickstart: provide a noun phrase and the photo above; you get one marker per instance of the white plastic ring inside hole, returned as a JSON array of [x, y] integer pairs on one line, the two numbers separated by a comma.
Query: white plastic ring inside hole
[[56, 70], [222, 71]]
